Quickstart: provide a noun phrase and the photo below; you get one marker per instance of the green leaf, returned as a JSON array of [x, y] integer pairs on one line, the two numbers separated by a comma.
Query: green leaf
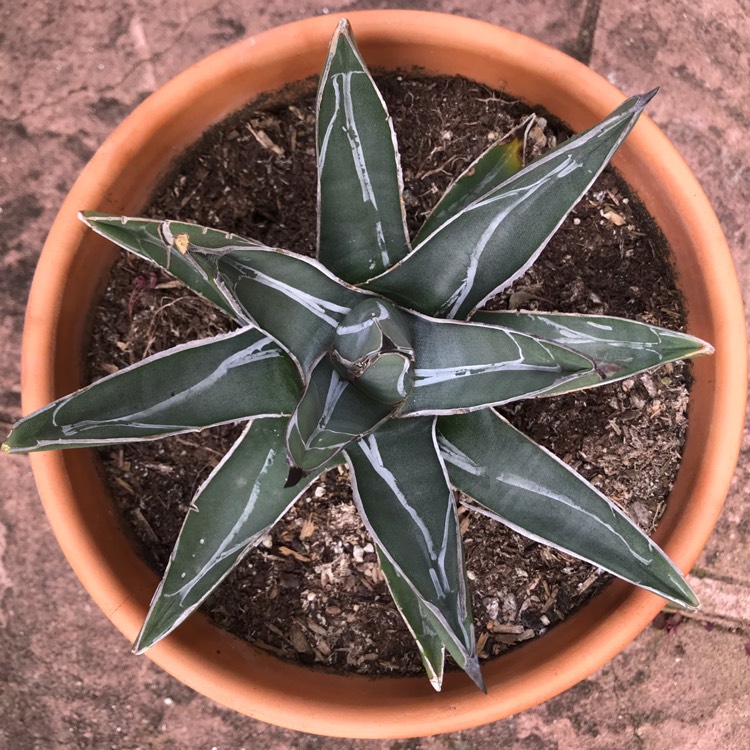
[[491, 242], [418, 619], [498, 163], [331, 414], [160, 241], [373, 327], [372, 348], [619, 347], [294, 299], [402, 493], [519, 483], [234, 508], [362, 229], [463, 366], [227, 378]]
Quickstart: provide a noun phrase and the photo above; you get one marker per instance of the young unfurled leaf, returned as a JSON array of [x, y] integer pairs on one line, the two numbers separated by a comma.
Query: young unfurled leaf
[[498, 163], [619, 347], [372, 347], [402, 493], [235, 507], [227, 378], [519, 483], [487, 245], [331, 414], [362, 229]]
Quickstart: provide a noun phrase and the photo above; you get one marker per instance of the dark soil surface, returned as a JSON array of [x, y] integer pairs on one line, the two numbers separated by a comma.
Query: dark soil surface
[[312, 590]]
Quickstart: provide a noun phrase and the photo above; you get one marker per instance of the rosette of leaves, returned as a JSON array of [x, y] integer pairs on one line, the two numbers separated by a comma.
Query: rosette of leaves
[[378, 354]]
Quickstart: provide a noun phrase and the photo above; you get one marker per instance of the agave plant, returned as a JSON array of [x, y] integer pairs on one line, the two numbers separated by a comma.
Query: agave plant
[[378, 354]]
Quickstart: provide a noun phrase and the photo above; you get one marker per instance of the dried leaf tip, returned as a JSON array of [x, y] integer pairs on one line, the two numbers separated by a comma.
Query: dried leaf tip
[[344, 27]]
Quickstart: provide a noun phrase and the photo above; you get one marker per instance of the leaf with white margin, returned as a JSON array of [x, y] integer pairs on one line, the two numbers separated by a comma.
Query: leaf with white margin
[[419, 621], [227, 378], [235, 507], [402, 494], [163, 243], [372, 348], [464, 366], [490, 243], [522, 485], [331, 414], [620, 347], [361, 222], [490, 170], [292, 298]]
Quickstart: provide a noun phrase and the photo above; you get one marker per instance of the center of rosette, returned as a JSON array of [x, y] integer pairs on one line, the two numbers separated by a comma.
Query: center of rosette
[[372, 348]]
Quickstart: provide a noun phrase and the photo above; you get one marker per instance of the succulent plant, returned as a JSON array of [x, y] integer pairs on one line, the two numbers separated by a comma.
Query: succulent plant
[[379, 354]]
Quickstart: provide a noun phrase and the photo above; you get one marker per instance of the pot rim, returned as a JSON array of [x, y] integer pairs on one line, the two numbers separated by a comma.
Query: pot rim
[[219, 665]]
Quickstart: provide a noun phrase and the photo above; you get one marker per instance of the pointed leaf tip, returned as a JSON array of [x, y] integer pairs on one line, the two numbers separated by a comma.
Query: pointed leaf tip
[[419, 621], [618, 347], [525, 487], [164, 244], [231, 377], [474, 672], [361, 222], [232, 512], [408, 507], [692, 602]]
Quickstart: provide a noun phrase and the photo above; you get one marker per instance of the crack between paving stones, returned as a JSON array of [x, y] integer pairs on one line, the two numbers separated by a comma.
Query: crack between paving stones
[[622, 708], [155, 57], [727, 622], [583, 46], [704, 574], [717, 622]]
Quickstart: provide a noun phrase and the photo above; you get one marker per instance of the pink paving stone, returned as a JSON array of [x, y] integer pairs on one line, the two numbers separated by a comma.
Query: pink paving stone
[[68, 74]]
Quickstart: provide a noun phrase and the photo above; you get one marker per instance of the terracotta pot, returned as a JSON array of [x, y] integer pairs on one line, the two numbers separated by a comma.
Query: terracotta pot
[[73, 269]]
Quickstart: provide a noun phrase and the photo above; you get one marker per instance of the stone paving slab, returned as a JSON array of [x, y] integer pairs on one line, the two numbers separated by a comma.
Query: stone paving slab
[[722, 602], [68, 74]]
